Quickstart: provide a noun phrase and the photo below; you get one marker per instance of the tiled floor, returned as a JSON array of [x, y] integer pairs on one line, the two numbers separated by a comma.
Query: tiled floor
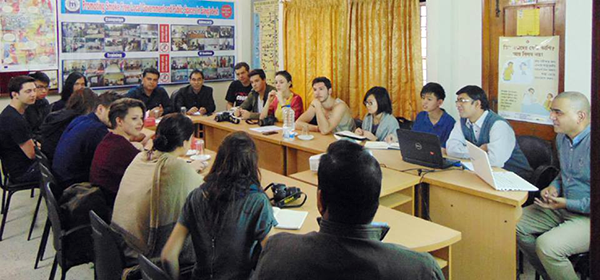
[[18, 254]]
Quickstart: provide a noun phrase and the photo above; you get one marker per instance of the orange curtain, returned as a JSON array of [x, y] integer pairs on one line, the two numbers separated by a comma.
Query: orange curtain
[[316, 44], [385, 50], [358, 44]]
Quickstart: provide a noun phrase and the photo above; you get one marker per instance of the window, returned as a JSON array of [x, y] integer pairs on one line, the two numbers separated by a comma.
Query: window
[[424, 39]]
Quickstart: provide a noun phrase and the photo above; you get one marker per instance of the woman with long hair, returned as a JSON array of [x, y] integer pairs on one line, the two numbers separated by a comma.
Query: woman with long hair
[[281, 97], [228, 217], [154, 188], [74, 82]]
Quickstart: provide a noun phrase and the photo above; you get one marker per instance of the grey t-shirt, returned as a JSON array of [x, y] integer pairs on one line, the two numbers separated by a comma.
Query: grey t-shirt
[[233, 251]]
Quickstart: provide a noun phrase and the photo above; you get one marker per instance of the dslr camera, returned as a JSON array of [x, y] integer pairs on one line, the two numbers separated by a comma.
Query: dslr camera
[[283, 195], [226, 116], [269, 120]]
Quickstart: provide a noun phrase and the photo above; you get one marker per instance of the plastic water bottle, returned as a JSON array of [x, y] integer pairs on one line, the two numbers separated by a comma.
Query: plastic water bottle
[[288, 123]]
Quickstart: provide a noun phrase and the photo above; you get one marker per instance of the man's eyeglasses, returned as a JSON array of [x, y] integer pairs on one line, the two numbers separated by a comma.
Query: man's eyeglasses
[[463, 100]]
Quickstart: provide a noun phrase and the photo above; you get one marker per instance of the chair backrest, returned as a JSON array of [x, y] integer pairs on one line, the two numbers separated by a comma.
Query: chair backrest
[[150, 271], [404, 123], [53, 213], [109, 261], [537, 151], [42, 158]]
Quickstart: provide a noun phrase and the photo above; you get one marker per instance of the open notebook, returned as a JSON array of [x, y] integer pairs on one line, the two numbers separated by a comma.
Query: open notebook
[[501, 180], [289, 219]]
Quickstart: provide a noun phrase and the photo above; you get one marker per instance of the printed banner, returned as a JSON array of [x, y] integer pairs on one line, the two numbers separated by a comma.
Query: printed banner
[[28, 35], [111, 42], [265, 42], [527, 77]]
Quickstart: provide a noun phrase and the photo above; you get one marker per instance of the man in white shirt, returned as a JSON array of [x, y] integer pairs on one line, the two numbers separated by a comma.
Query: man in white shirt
[[486, 129]]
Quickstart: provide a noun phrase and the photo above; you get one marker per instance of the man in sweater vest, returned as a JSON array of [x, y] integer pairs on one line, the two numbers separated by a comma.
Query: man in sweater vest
[[486, 129]]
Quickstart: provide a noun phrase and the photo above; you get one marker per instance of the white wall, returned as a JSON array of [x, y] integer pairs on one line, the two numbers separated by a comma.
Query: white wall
[[454, 43]]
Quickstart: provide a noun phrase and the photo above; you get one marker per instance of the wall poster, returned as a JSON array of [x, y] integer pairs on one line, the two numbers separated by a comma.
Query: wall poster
[[113, 41], [265, 42], [527, 77], [28, 35]]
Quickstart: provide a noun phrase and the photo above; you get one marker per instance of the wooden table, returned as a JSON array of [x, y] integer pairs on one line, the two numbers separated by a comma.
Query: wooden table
[[487, 218], [397, 188], [409, 231]]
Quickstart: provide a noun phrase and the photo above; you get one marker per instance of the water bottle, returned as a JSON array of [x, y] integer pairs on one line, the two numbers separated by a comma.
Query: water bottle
[[288, 123]]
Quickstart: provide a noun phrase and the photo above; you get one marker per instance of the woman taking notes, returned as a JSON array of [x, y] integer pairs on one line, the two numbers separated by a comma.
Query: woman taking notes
[[379, 121], [228, 217], [283, 83]]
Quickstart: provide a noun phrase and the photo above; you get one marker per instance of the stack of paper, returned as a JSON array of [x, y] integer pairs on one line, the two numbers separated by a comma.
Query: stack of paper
[[264, 129], [381, 145], [289, 219]]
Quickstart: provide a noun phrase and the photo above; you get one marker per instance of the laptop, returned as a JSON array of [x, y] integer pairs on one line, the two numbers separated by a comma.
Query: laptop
[[499, 180], [423, 149]]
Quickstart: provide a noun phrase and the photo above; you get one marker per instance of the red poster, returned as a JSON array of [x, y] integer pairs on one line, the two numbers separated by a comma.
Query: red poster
[[164, 33], [163, 63]]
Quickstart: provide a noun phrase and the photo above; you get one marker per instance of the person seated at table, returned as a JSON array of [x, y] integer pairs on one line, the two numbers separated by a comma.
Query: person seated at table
[[558, 224], [273, 106], [379, 122], [115, 152], [75, 150], [347, 199], [154, 188], [196, 97], [487, 130], [154, 96], [239, 89], [81, 102], [36, 113], [254, 103], [74, 82], [331, 114], [228, 217]]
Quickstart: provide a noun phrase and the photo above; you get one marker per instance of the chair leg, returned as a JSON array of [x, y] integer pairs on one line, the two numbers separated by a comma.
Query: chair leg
[[43, 242], [64, 274], [520, 259], [35, 213], [32, 192], [3, 200], [54, 265], [5, 214]]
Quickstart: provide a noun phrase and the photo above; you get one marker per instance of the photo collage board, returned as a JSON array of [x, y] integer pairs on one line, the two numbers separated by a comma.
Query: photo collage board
[[111, 42]]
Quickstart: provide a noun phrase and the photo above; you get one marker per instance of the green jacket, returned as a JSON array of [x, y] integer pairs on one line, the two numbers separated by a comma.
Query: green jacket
[[251, 102]]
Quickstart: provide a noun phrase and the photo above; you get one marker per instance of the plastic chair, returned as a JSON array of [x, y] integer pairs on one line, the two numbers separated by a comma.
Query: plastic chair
[[109, 260], [151, 271], [42, 160], [47, 178], [404, 123], [60, 235], [11, 188]]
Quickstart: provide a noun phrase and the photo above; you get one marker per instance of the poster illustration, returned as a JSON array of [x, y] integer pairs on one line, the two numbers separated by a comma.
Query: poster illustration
[[265, 42], [28, 35], [527, 77], [111, 42]]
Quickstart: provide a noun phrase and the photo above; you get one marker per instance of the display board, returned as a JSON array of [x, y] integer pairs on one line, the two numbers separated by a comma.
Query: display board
[[28, 35], [527, 77], [265, 37], [111, 42]]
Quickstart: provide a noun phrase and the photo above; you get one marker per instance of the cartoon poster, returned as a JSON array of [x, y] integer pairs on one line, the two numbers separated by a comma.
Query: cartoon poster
[[28, 35], [527, 77], [111, 42], [265, 42]]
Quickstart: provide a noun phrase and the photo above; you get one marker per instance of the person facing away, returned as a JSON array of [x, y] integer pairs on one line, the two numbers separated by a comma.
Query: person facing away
[[154, 96], [487, 130], [239, 89], [17, 150], [253, 105], [195, 97], [378, 123], [37, 112], [557, 225], [153, 189], [115, 152], [347, 245], [74, 82], [282, 96], [81, 102], [75, 150], [228, 217], [326, 114], [433, 119]]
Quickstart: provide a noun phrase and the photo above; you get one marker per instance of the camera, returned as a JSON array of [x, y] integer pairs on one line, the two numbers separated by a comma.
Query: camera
[[226, 116], [283, 195], [269, 120]]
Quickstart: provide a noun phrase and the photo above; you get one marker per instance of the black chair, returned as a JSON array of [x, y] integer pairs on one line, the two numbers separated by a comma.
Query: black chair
[[404, 123], [109, 260], [358, 123], [60, 235], [151, 271], [8, 189], [42, 160], [581, 264], [541, 158], [47, 178]]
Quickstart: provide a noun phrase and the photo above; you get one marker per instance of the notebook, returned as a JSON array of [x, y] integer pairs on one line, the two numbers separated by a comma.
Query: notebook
[[289, 219], [499, 180], [423, 149]]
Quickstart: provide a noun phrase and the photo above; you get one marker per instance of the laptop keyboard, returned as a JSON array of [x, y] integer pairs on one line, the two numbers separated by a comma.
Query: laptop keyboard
[[511, 181]]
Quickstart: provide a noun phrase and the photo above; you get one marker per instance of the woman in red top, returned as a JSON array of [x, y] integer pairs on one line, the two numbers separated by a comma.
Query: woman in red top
[[283, 83]]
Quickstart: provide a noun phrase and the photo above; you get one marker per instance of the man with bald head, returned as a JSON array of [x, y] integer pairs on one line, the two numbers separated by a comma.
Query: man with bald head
[[558, 224]]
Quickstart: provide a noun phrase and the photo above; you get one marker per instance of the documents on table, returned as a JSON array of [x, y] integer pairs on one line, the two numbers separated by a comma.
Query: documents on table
[[264, 129], [289, 219], [381, 145]]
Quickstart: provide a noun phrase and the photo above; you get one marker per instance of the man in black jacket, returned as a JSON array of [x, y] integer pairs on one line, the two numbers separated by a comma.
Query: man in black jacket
[[195, 97]]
